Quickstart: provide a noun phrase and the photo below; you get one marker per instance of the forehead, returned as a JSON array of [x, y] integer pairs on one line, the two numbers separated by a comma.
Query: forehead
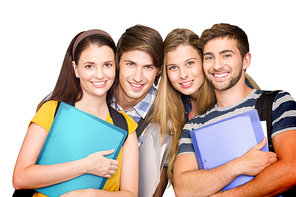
[[220, 44], [97, 52], [137, 56], [182, 51]]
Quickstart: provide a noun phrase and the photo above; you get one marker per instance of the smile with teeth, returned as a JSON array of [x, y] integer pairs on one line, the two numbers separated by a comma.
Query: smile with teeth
[[220, 75], [136, 85], [99, 83], [186, 83]]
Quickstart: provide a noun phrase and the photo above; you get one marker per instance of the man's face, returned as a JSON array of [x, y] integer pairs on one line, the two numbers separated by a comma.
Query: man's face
[[136, 76], [223, 64]]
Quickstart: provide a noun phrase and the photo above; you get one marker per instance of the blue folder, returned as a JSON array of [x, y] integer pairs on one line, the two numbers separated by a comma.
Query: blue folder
[[75, 134], [220, 142]]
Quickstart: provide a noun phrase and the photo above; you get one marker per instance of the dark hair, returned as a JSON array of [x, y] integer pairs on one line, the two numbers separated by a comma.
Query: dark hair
[[223, 30], [67, 88], [142, 38]]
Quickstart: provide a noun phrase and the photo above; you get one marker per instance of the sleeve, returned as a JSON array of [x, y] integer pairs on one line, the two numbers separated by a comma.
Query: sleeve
[[132, 125], [45, 115], [283, 113], [185, 143]]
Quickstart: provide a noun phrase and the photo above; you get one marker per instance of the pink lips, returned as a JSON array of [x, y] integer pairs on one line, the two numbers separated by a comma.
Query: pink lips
[[99, 84], [187, 84]]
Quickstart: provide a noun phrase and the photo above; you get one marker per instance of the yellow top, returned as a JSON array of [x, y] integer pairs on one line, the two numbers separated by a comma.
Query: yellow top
[[45, 116]]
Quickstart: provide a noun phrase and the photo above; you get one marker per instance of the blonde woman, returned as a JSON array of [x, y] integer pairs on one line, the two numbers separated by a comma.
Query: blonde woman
[[183, 91]]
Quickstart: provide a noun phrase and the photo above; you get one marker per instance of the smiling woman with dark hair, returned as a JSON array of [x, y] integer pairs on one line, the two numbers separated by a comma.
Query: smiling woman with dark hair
[[86, 78]]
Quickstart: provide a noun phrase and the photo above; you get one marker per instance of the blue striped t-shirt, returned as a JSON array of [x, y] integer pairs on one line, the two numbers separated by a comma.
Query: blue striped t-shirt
[[283, 116]]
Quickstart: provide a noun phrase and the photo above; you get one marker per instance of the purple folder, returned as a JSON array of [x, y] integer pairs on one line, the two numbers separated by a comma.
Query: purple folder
[[220, 142]]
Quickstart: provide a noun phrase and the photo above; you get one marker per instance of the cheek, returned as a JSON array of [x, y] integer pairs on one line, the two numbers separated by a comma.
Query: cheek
[[172, 76], [150, 76]]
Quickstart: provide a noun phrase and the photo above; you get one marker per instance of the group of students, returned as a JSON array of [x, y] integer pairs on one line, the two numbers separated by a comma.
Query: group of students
[[179, 84]]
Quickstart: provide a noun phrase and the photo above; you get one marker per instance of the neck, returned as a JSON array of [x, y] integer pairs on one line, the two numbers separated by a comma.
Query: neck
[[96, 106], [233, 95]]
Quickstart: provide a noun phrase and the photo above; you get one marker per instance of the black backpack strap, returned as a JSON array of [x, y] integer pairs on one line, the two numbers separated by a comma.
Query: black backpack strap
[[23, 193], [118, 119], [264, 108], [58, 106], [143, 123]]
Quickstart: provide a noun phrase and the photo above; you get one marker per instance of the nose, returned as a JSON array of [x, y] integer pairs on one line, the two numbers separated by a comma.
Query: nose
[[99, 72], [218, 64], [183, 72], [138, 74]]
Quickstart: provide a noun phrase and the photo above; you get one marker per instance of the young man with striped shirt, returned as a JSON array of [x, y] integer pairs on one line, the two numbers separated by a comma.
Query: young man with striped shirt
[[226, 57]]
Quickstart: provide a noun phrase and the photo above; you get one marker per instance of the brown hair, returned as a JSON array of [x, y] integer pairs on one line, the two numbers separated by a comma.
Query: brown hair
[[169, 112], [223, 30], [141, 38], [67, 88]]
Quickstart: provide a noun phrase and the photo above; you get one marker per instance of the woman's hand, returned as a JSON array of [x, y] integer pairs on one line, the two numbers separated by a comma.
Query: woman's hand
[[100, 165]]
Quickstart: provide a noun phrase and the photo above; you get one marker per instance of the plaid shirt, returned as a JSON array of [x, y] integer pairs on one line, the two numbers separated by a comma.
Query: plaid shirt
[[140, 110]]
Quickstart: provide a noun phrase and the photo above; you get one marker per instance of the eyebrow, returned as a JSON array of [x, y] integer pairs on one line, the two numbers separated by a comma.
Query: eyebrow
[[130, 61], [221, 52], [192, 58], [226, 51], [88, 63]]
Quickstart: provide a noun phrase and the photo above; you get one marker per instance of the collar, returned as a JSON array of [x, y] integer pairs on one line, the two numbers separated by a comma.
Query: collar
[[142, 107]]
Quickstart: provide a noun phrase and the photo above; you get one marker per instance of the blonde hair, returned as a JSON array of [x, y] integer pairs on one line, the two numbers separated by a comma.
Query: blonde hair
[[251, 81], [169, 112]]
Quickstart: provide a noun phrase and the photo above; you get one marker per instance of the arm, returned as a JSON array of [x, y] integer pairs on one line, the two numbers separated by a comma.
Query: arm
[[276, 178], [129, 174], [162, 184], [29, 175], [189, 180]]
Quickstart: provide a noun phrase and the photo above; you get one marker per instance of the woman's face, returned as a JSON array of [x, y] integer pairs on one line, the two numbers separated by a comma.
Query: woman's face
[[96, 70], [184, 70]]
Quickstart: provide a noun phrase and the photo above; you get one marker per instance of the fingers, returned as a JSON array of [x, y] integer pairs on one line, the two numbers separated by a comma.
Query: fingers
[[107, 152], [261, 144]]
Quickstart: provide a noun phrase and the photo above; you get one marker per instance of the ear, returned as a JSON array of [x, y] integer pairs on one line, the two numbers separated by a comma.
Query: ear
[[247, 61], [75, 69]]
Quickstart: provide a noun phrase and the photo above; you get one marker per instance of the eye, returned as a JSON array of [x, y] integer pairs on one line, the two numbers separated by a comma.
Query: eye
[[108, 65], [89, 66], [172, 67], [130, 64], [208, 58], [149, 67], [189, 63], [227, 55]]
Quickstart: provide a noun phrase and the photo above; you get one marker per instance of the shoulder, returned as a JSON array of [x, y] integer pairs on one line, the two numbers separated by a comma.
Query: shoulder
[[49, 105], [283, 113], [284, 97], [132, 125], [45, 115]]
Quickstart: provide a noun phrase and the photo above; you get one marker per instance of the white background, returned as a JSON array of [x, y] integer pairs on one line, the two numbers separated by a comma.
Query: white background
[[35, 36]]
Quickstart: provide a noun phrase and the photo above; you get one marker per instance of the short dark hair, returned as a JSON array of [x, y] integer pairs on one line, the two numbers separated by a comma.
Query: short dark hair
[[223, 30], [145, 39]]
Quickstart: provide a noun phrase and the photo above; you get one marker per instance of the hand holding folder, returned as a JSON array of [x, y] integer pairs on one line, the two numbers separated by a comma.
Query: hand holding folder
[[220, 142], [74, 135]]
